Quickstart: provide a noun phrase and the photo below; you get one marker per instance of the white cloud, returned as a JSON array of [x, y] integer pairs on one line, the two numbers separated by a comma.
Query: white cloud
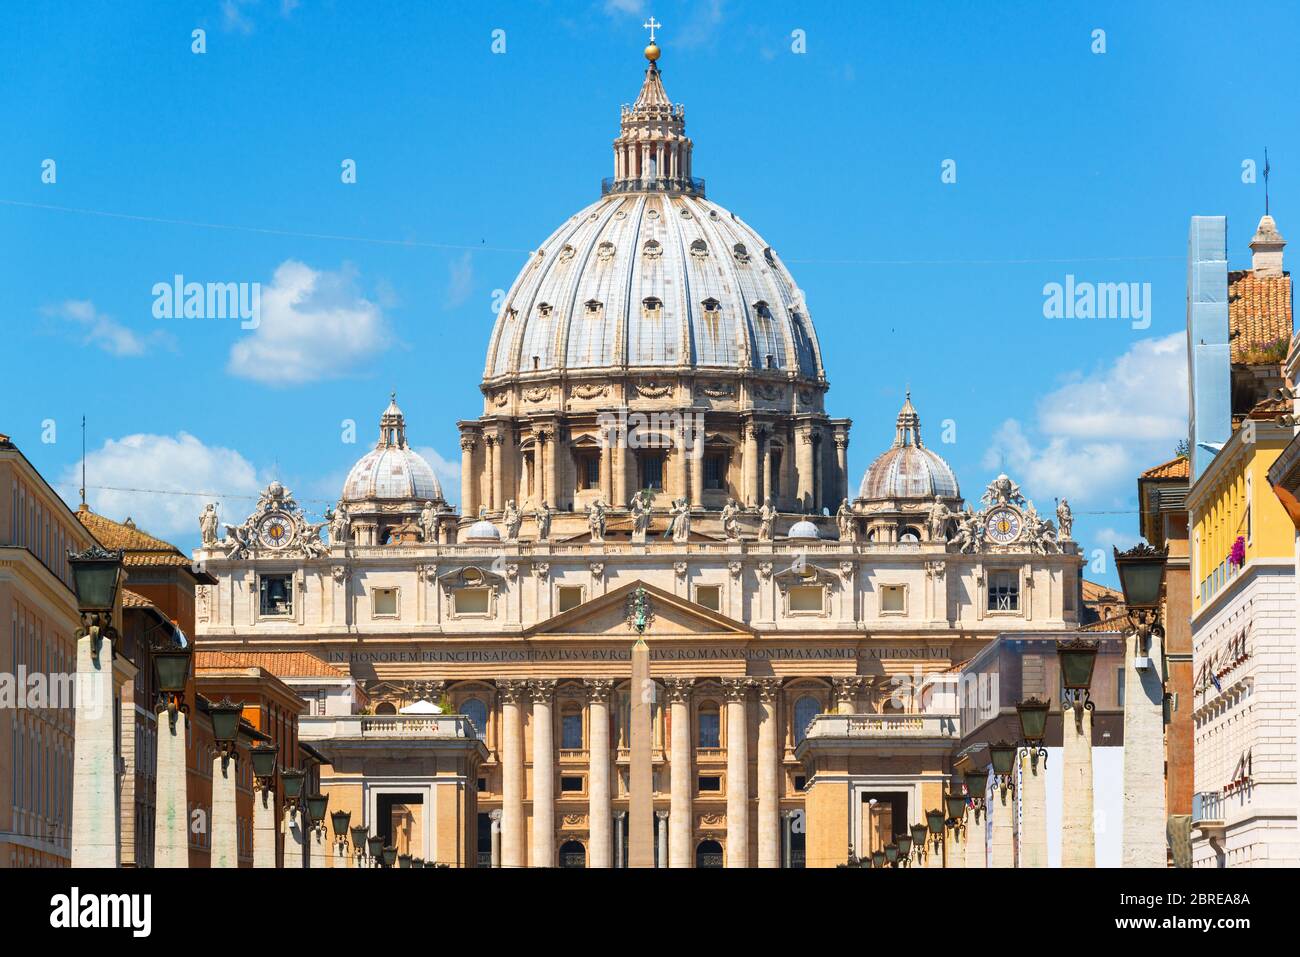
[[1094, 434], [313, 325], [127, 475], [232, 15], [447, 471], [461, 281], [93, 328]]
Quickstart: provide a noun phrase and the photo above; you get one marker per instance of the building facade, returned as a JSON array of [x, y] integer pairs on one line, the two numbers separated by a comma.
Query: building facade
[[654, 423]]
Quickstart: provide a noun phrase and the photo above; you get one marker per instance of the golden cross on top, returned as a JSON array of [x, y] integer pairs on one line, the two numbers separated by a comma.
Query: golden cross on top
[[652, 25]]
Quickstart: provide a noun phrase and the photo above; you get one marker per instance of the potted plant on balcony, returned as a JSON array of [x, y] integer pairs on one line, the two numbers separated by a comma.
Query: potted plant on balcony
[[1237, 557]]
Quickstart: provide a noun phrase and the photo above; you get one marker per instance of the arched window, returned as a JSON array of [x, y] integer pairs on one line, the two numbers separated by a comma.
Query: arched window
[[805, 709], [708, 854], [909, 534], [386, 708], [709, 734], [573, 854], [476, 711]]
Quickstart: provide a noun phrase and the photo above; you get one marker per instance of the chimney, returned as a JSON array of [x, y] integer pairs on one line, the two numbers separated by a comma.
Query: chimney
[[1266, 249]]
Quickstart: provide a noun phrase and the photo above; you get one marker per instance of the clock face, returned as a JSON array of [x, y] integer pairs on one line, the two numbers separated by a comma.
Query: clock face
[[275, 530], [1003, 525]]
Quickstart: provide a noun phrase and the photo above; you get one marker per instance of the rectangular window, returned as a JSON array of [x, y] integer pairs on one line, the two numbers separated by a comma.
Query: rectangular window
[[571, 731], [800, 782], [893, 599], [775, 456], [710, 783], [710, 735], [715, 471], [385, 602], [570, 596], [591, 471], [276, 595], [1004, 591], [806, 598], [710, 596], [471, 601], [652, 471], [571, 784]]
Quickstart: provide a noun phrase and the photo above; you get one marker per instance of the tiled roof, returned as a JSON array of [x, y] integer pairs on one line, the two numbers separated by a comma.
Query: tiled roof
[[1113, 623], [1175, 468], [1259, 311], [131, 599], [282, 664], [1270, 408], [1093, 591], [138, 547]]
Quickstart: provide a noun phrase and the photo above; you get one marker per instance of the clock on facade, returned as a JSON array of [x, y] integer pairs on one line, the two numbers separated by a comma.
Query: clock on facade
[[275, 530], [1002, 525]]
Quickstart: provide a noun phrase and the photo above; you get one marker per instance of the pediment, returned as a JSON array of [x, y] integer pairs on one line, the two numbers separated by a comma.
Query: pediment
[[674, 617]]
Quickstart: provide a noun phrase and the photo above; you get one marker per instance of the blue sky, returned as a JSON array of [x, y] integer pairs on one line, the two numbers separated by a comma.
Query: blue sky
[[1068, 162]]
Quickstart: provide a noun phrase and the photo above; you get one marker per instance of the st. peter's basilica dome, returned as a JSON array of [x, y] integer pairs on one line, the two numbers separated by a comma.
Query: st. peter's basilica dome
[[908, 470], [392, 471]]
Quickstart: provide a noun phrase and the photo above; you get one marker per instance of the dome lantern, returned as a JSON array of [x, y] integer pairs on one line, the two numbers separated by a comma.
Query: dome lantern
[[908, 470]]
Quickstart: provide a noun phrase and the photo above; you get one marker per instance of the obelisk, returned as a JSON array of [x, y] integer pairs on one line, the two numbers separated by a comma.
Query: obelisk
[[640, 843]]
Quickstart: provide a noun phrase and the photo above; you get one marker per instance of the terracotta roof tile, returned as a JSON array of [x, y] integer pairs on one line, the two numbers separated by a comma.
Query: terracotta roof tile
[[1259, 312], [1175, 468], [138, 547], [1094, 591], [282, 664], [131, 599]]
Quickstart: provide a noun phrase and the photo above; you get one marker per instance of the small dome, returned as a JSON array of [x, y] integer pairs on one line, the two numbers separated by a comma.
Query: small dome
[[482, 531], [803, 529], [908, 469], [392, 470]]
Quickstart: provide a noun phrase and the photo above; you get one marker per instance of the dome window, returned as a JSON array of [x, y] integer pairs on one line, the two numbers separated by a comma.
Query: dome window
[[740, 252], [593, 308], [699, 249], [605, 251], [711, 307], [686, 213], [653, 307], [544, 310], [566, 253], [770, 256], [652, 249]]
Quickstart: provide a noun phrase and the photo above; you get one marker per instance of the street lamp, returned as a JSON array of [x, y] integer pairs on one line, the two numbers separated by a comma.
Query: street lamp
[[1033, 728], [171, 665], [96, 574], [359, 840], [340, 821], [404, 860], [878, 859], [316, 807], [935, 822], [1003, 757], [905, 847], [375, 844], [1077, 658], [225, 716], [891, 854], [1142, 577], [390, 856], [264, 756], [977, 784], [955, 805], [291, 779]]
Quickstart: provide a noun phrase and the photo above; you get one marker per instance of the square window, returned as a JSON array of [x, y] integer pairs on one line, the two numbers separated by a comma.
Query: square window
[[710, 596], [482, 784], [806, 598], [276, 595], [471, 601], [571, 784], [384, 601], [800, 782], [1004, 591], [893, 599], [709, 783], [570, 596]]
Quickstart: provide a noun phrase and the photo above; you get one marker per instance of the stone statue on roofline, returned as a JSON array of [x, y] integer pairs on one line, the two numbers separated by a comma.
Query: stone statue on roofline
[[681, 521], [844, 520], [1064, 520], [429, 523], [767, 521], [640, 512], [208, 524], [731, 520], [513, 519], [596, 520], [543, 518], [939, 515]]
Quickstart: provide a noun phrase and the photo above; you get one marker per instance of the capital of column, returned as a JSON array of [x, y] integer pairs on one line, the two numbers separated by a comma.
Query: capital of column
[[512, 690], [662, 815], [542, 689], [735, 689], [769, 689], [495, 814], [598, 689], [846, 687], [678, 689]]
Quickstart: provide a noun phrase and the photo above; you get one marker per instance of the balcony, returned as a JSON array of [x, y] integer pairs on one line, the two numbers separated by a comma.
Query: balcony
[[895, 733], [692, 186], [1207, 812]]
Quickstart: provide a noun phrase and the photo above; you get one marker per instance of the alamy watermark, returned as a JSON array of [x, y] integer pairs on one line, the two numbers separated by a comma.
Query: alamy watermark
[[179, 299], [652, 430], [1074, 299]]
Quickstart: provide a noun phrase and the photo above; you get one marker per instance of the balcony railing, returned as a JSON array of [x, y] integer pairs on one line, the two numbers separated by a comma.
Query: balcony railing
[[1207, 808], [693, 186], [443, 726], [885, 726]]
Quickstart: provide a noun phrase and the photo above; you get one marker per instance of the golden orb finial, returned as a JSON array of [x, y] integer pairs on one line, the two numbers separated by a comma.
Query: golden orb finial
[[652, 52]]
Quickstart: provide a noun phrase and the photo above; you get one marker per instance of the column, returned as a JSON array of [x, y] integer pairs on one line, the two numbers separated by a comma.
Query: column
[[295, 841], [787, 825], [767, 469], [680, 778], [680, 471], [804, 468], [736, 690], [620, 823], [845, 690], [543, 774], [171, 826], [468, 477], [96, 841], [640, 844], [769, 783], [1144, 786], [599, 816], [552, 468], [1033, 810], [498, 474], [1078, 845], [841, 467], [661, 820], [512, 773], [618, 458], [1001, 810], [225, 833], [264, 831], [697, 473], [607, 469], [494, 816], [751, 463]]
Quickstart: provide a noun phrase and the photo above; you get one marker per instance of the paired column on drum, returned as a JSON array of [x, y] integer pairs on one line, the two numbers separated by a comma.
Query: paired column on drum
[[680, 778], [600, 813], [512, 772], [737, 694]]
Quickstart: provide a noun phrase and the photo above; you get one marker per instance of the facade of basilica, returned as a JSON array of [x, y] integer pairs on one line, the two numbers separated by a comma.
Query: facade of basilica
[[654, 420]]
